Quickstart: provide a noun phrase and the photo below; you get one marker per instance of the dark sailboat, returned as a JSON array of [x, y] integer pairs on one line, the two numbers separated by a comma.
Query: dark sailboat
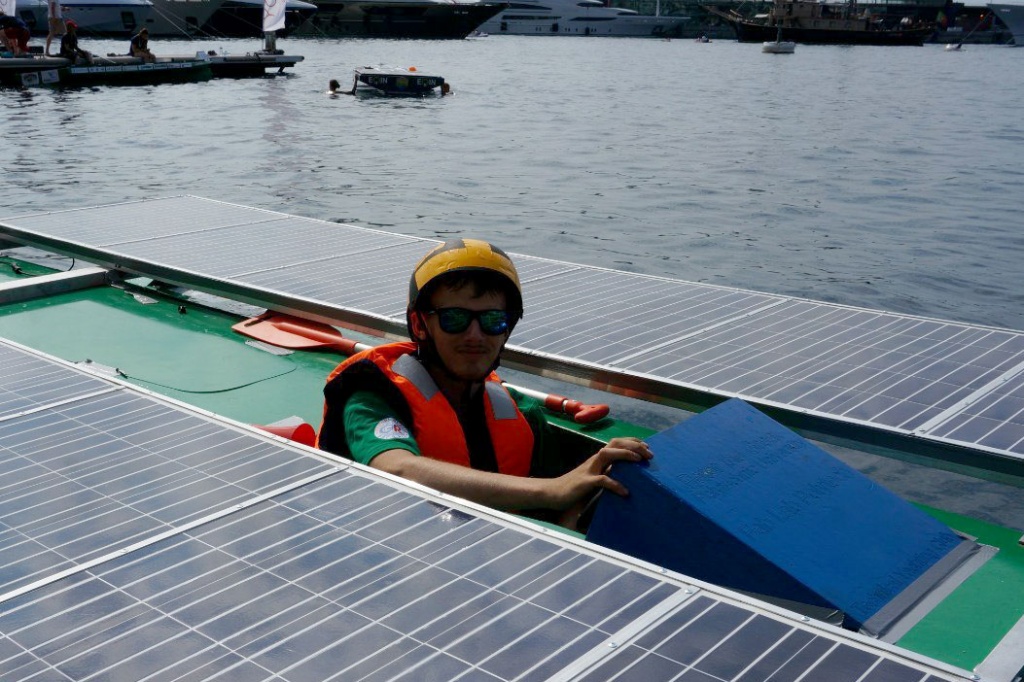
[[828, 24]]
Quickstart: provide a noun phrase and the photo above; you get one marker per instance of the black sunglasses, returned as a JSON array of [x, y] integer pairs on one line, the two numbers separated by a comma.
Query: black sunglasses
[[457, 320]]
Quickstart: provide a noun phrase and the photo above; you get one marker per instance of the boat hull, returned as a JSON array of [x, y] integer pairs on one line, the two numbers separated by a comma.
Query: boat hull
[[1013, 17], [107, 18], [397, 82], [252, 65], [178, 18], [779, 47], [242, 19], [398, 19], [748, 32], [514, 22], [18, 72], [113, 73]]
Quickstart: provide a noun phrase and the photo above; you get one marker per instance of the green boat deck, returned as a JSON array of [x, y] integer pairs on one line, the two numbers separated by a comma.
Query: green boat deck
[[190, 354]]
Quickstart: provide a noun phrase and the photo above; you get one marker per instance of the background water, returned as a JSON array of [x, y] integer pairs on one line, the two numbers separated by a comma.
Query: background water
[[881, 177]]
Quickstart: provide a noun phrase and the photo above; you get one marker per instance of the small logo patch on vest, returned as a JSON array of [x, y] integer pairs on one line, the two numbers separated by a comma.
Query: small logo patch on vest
[[390, 429]]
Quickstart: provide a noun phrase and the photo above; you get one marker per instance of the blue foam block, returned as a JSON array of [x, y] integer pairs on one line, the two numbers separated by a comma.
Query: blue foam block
[[733, 498]]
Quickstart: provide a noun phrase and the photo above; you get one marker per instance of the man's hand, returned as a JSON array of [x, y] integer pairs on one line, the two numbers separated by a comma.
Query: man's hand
[[576, 489]]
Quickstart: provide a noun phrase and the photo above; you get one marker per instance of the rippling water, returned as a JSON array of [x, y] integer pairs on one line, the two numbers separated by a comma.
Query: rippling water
[[881, 177]]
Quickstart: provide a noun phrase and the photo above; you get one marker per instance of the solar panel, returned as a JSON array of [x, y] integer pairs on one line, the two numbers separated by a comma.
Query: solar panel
[[31, 383], [870, 372], [862, 365], [239, 250], [599, 316], [143, 541], [92, 474]]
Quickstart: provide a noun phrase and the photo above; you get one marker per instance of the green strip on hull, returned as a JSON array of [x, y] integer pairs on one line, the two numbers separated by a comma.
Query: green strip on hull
[[193, 357], [968, 624]]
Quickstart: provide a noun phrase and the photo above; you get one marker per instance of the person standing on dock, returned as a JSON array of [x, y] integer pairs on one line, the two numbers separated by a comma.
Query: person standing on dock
[[55, 21], [140, 46], [434, 411]]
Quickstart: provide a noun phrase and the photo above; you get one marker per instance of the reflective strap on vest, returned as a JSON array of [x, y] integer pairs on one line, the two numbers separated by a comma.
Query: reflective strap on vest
[[502, 404], [410, 368]]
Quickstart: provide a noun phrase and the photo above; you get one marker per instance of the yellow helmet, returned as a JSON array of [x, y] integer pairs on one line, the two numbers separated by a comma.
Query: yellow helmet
[[466, 255]]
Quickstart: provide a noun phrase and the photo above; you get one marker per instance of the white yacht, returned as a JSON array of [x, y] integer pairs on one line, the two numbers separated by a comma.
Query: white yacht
[[1013, 17], [94, 17], [577, 18]]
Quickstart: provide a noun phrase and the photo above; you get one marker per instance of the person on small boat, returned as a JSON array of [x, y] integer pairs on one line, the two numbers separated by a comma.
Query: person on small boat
[[140, 46], [16, 34], [69, 45], [433, 410], [55, 21]]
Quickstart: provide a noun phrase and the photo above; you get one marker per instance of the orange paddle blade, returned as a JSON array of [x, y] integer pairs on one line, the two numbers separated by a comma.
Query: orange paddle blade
[[295, 333]]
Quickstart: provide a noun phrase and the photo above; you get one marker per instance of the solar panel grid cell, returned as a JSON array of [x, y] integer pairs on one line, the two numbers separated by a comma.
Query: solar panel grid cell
[[121, 223], [601, 317], [30, 382], [849, 363], [241, 250], [376, 281], [85, 478]]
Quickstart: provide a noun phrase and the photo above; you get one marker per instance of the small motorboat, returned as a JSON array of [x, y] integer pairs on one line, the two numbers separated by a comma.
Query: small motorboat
[[778, 46], [392, 81]]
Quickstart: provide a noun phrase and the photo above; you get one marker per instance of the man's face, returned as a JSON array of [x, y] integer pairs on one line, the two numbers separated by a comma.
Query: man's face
[[468, 355]]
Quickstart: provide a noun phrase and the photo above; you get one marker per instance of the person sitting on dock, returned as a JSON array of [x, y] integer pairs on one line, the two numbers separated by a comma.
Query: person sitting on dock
[[140, 46], [69, 45], [434, 411], [16, 34]]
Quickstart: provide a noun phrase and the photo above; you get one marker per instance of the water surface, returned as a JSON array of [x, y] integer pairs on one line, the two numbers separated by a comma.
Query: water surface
[[880, 177]]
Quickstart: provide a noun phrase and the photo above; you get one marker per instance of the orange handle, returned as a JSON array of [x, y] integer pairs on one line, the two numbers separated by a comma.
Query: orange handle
[[580, 413], [328, 338]]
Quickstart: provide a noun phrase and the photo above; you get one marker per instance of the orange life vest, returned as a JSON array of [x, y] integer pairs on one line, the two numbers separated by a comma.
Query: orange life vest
[[434, 423]]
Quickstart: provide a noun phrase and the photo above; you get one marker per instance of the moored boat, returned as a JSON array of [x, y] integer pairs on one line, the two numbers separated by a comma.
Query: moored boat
[[60, 72], [1013, 17], [257, 62], [779, 46], [180, 18], [826, 24], [244, 18], [579, 18], [107, 18], [330, 547], [398, 18]]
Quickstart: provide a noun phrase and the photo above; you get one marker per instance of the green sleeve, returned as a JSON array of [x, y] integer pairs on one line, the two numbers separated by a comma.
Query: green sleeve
[[550, 458], [372, 427]]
